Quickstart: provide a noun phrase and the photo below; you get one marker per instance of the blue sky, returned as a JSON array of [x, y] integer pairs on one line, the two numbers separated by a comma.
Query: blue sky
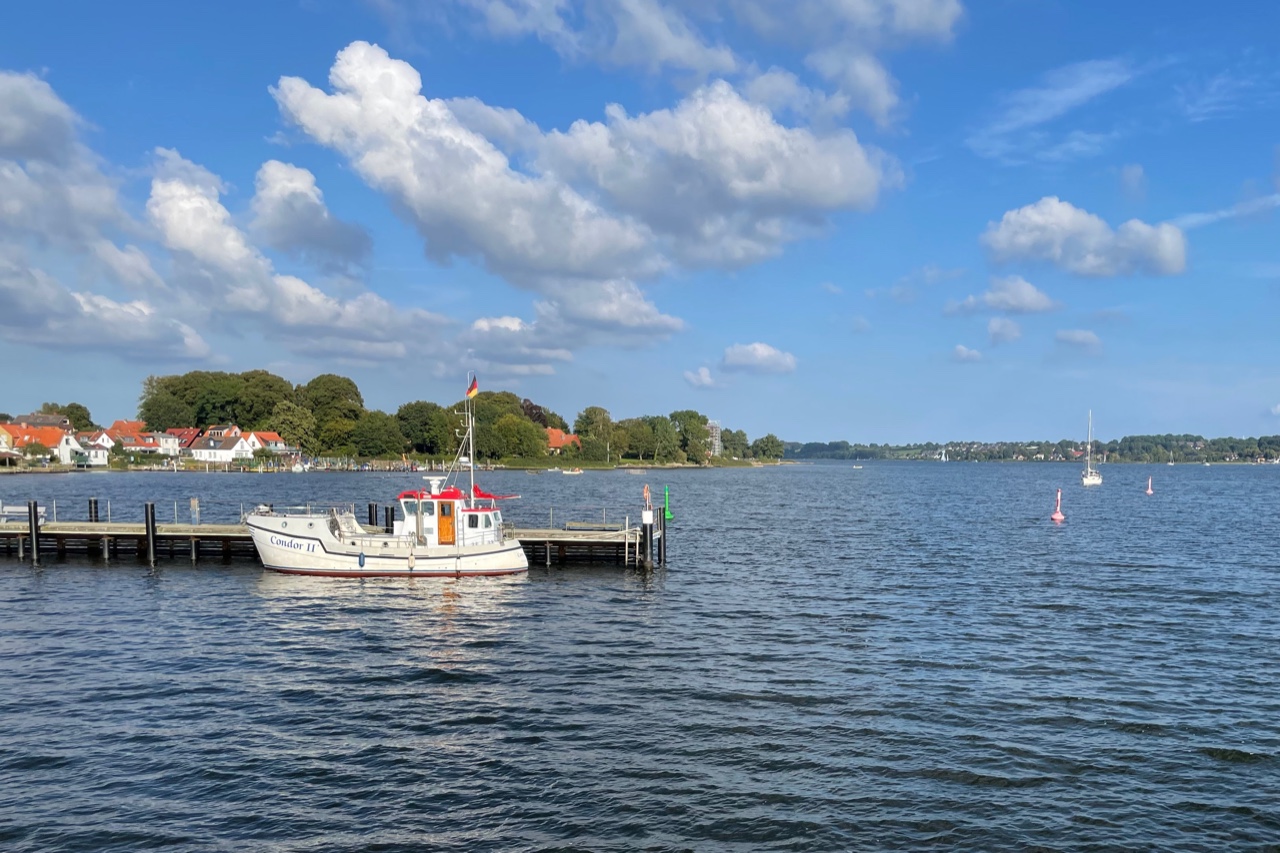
[[891, 220]]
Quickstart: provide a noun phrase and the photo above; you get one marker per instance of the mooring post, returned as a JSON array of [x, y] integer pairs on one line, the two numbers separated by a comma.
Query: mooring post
[[646, 537], [93, 510], [149, 519], [33, 529], [373, 515], [388, 519]]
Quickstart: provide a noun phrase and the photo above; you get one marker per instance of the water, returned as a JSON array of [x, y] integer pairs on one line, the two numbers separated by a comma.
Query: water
[[904, 656]]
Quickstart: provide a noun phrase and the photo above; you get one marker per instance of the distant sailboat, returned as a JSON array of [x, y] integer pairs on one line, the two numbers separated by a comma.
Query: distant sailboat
[[1090, 476], [1170, 462], [944, 454], [1150, 491]]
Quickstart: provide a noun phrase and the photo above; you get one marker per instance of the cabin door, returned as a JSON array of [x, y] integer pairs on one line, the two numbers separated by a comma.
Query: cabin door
[[445, 523]]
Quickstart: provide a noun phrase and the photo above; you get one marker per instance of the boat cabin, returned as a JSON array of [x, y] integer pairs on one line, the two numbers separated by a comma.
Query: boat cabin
[[448, 516]]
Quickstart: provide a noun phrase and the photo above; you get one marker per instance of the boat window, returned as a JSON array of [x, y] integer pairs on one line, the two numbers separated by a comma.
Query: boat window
[[488, 522], [428, 508], [473, 520], [410, 507]]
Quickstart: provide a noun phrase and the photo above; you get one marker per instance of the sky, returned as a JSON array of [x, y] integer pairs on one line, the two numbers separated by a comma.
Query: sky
[[869, 220]]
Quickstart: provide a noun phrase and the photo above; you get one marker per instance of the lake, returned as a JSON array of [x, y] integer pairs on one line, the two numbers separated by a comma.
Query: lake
[[906, 655]]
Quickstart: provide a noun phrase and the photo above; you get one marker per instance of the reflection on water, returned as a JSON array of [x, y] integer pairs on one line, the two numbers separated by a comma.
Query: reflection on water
[[903, 655]]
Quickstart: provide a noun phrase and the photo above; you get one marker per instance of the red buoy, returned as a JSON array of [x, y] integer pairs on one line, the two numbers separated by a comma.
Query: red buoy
[[1058, 517]]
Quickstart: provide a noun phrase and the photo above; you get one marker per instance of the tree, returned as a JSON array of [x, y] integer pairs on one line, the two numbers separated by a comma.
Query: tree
[[162, 411], [427, 427], [335, 437], [639, 437], [218, 400], [331, 397], [694, 437], [378, 434], [593, 422], [735, 443], [666, 440], [768, 447], [295, 424], [514, 435], [78, 414], [5, 417], [263, 455], [35, 448], [260, 392]]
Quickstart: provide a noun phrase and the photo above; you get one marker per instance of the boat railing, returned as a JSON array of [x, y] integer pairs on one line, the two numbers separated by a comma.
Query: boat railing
[[297, 509]]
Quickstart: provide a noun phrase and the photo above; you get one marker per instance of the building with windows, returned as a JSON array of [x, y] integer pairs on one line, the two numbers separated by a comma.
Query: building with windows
[[713, 438]]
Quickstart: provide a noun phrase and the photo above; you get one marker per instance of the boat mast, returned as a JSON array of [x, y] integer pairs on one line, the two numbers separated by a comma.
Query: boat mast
[[471, 439], [1088, 447]]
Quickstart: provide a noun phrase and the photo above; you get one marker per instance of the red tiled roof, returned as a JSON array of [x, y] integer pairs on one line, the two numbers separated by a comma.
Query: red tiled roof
[[558, 438], [50, 437]]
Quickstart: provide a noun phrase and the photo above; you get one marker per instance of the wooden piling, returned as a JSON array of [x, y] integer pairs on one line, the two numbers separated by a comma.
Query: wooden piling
[[33, 530], [149, 519]]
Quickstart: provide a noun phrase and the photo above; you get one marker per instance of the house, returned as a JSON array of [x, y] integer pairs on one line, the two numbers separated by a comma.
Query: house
[[221, 451], [97, 438], [61, 444], [38, 419], [168, 443], [137, 442], [222, 430], [558, 439], [132, 427], [270, 440], [186, 436]]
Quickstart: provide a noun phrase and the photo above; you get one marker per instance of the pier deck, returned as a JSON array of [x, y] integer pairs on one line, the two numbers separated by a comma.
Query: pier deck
[[543, 546]]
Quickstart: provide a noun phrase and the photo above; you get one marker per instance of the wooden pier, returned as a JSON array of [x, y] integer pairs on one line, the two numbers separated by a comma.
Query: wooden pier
[[642, 545]]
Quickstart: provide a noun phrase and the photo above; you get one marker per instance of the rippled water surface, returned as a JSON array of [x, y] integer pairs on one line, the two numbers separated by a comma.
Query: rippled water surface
[[901, 656]]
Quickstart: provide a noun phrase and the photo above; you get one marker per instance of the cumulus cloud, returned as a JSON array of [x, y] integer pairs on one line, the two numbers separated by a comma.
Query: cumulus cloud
[[757, 358], [1002, 330], [700, 378], [1082, 339], [35, 124], [289, 215], [965, 355], [1012, 294], [36, 309], [841, 40], [1078, 241], [216, 260]]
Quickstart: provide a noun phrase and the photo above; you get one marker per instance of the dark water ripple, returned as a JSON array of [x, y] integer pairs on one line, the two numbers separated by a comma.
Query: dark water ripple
[[903, 656]]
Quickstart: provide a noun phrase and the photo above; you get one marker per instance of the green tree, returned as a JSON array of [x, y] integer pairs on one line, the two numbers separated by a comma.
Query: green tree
[[331, 397], [219, 400], [263, 456], [542, 417], [515, 435], [81, 421], [666, 440], [5, 417], [694, 437], [640, 442], [335, 437], [378, 435], [295, 424], [428, 427], [735, 443], [35, 448], [768, 447], [162, 410], [594, 422], [260, 392]]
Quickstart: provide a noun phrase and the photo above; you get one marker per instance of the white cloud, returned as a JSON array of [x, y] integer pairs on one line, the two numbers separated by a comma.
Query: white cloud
[[289, 215], [1275, 410], [1133, 181], [833, 289], [1251, 207], [35, 124], [861, 325], [36, 309], [861, 78], [1079, 338], [700, 378], [1012, 294], [757, 358], [1002, 330], [964, 355], [782, 92], [1014, 134], [1081, 242], [224, 274]]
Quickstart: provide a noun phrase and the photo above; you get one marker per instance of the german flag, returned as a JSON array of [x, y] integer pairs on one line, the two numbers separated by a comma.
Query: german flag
[[474, 388]]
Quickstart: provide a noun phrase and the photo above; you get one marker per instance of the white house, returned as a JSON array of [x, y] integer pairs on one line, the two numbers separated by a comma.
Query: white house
[[67, 449], [270, 440], [170, 445], [221, 451], [96, 456]]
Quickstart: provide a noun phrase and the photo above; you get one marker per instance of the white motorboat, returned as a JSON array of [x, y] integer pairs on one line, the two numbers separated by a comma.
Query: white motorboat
[[1090, 476], [444, 532]]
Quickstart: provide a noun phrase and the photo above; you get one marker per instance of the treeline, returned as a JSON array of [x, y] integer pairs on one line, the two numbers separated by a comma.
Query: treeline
[[1131, 448], [327, 416]]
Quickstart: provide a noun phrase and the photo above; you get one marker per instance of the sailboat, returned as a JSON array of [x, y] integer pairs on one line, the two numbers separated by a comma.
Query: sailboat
[[1090, 476], [1170, 462]]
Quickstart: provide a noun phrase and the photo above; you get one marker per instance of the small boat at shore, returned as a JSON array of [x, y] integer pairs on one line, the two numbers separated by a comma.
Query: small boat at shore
[[444, 531], [571, 471]]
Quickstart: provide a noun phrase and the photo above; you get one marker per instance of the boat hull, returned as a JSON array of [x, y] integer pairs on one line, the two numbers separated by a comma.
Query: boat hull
[[306, 546]]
